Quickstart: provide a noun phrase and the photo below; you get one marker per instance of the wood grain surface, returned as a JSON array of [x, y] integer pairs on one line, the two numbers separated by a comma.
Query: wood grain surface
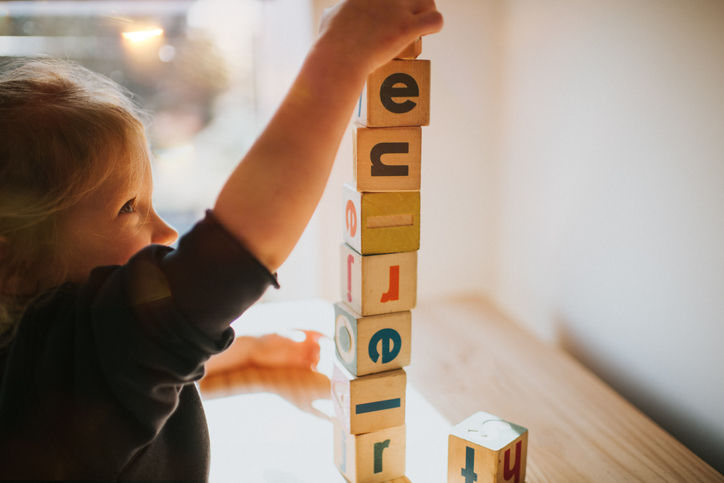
[[467, 357]]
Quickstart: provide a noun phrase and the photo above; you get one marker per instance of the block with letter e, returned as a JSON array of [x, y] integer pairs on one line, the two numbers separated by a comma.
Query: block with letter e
[[370, 457], [382, 222], [378, 284], [486, 449], [377, 343], [396, 94], [368, 403], [387, 159]]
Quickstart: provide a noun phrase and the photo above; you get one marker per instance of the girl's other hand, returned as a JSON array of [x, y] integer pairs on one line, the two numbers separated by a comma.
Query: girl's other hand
[[369, 33], [276, 350], [271, 350]]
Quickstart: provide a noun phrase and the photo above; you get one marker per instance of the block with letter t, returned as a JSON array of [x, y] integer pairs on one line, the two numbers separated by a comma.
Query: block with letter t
[[377, 343], [382, 222], [387, 159], [368, 403], [412, 51], [378, 284], [371, 457], [396, 94], [486, 449]]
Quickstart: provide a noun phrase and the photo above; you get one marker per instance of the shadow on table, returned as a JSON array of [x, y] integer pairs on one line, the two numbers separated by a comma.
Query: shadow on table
[[301, 387]]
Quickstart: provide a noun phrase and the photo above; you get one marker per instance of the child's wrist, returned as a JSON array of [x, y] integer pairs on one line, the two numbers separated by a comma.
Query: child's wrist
[[341, 61]]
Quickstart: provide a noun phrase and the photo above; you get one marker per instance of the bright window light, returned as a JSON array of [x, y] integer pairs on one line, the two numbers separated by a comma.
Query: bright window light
[[138, 36]]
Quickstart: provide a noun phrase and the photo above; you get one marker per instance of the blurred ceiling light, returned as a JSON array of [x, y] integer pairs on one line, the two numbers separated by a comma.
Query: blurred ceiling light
[[138, 36]]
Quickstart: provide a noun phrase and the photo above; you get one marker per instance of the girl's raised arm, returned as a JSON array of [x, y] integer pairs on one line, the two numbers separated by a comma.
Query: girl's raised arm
[[269, 198]]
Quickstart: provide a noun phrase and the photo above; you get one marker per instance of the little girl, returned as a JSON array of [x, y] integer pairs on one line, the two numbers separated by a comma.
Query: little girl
[[103, 327]]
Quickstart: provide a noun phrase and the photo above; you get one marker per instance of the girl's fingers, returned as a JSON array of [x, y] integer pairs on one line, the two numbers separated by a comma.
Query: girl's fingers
[[430, 22], [420, 6], [312, 335]]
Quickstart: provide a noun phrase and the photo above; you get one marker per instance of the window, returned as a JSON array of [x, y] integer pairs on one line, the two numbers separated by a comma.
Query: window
[[210, 73]]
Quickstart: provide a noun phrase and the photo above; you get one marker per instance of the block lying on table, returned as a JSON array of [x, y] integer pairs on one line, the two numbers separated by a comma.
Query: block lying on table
[[486, 449], [371, 457]]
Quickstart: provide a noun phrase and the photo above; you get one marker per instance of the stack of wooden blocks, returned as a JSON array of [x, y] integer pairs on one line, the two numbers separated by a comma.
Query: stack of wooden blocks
[[379, 271]]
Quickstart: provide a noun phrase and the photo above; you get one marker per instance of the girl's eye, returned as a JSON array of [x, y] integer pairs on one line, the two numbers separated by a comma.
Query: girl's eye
[[129, 207]]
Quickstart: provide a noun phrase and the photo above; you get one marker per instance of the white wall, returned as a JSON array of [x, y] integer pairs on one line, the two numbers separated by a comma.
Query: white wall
[[610, 233]]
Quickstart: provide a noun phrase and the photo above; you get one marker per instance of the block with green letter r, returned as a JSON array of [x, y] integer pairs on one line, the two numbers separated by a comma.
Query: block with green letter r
[[370, 457]]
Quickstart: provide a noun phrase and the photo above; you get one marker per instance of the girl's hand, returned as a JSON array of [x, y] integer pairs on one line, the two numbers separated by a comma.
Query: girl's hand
[[368, 33], [271, 350], [274, 350]]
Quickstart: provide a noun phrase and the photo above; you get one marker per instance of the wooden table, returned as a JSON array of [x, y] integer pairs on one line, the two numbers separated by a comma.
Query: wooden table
[[466, 357]]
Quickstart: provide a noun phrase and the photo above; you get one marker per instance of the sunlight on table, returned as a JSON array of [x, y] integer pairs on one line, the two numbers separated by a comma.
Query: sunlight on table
[[263, 437]]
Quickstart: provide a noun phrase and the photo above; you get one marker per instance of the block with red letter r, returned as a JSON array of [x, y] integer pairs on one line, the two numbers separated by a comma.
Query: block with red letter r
[[486, 449], [378, 284]]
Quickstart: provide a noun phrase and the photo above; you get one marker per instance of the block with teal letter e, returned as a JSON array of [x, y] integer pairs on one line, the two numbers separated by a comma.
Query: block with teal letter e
[[368, 403], [486, 449], [370, 457], [377, 343]]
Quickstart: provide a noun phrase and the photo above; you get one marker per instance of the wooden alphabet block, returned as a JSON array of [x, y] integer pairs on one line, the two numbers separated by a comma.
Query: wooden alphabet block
[[487, 449], [371, 457], [396, 94], [378, 284], [387, 159], [381, 222], [366, 345], [412, 51], [368, 403]]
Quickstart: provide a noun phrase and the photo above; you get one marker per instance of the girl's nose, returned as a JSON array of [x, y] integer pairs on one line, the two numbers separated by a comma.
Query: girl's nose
[[162, 233]]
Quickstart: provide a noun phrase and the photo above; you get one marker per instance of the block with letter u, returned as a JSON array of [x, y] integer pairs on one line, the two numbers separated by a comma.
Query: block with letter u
[[387, 159]]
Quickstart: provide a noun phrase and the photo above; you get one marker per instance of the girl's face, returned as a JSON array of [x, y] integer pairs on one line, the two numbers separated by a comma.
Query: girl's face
[[113, 222]]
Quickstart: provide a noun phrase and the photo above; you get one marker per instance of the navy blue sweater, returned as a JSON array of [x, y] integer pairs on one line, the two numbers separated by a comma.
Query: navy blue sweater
[[98, 381]]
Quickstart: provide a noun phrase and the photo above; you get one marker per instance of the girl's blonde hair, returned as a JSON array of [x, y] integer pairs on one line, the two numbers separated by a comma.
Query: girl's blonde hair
[[62, 128]]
